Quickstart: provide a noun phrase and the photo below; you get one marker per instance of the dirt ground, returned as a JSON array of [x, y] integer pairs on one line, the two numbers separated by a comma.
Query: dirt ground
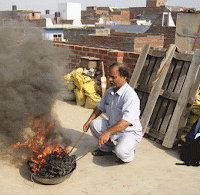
[[153, 171]]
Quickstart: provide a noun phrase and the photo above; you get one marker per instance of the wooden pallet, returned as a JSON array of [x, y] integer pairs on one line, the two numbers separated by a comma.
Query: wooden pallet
[[166, 83]]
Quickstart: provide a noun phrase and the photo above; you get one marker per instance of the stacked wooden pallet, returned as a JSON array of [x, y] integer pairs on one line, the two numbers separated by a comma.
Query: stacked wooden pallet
[[166, 82]]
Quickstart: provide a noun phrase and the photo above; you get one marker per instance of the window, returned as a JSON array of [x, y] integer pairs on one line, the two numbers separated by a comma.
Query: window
[[57, 35]]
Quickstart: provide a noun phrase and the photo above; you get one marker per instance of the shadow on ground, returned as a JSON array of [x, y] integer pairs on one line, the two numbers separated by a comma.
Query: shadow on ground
[[106, 161], [23, 170]]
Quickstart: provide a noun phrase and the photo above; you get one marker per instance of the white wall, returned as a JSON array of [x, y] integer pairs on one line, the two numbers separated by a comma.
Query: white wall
[[49, 34], [70, 11]]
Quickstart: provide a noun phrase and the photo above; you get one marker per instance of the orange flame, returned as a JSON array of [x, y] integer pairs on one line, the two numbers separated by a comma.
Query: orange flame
[[39, 145]]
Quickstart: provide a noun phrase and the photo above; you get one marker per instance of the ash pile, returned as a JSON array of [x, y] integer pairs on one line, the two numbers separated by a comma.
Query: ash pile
[[31, 77]]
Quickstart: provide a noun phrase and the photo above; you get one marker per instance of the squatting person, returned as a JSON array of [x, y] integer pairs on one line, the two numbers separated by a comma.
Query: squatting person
[[122, 106]]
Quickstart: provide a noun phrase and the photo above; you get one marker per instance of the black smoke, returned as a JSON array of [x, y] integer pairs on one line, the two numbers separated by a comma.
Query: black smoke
[[31, 71]]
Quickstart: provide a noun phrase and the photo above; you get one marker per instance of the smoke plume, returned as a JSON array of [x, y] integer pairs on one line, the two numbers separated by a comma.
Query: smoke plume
[[31, 71]]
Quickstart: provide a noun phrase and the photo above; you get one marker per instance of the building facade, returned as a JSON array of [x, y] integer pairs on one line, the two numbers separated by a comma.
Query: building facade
[[155, 3], [70, 11], [56, 35]]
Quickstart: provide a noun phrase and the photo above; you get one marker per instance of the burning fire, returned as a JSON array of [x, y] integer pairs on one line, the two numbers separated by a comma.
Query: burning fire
[[40, 145]]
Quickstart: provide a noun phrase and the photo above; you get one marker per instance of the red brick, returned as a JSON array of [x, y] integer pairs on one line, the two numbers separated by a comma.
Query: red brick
[[119, 59], [76, 52], [112, 59], [95, 50], [133, 55], [91, 54], [129, 61], [106, 57], [78, 47], [110, 62], [125, 54], [98, 56], [131, 66], [103, 51], [119, 54], [116, 53], [137, 51], [86, 49], [71, 46], [82, 53], [74, 60]]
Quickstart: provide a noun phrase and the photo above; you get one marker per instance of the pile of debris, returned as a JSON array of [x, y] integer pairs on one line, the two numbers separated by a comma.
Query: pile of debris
[[55, 165], [85, 83]]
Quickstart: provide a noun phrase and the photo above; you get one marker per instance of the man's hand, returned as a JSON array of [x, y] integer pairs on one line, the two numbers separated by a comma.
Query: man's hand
[[104, 138], [86, 127], [96, 112]]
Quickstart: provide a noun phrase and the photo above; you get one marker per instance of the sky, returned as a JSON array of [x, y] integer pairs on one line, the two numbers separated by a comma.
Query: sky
[[52, 5]]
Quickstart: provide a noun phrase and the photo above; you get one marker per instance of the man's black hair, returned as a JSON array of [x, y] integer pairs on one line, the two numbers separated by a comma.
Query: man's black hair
[[123, 68]]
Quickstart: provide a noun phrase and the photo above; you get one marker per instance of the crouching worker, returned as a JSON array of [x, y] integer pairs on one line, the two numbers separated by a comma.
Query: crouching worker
[[122, 106]]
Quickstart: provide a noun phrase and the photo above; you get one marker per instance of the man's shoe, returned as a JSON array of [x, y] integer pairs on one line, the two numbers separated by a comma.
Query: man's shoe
[[98, 152], [121, 162]]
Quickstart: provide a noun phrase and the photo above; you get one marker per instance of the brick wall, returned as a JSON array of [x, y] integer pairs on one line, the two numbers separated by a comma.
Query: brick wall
[[145, 11], [108, 42], [168, 32], [39, 23], [153, 41], [107, 55], [123, 43], [122, 16]]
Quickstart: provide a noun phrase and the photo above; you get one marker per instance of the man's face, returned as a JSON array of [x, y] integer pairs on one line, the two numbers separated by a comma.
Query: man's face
[[115, 79]]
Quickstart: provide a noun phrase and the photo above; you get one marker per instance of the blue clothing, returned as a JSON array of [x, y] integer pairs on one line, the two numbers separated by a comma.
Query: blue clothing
[[124, 104], [194, 130]]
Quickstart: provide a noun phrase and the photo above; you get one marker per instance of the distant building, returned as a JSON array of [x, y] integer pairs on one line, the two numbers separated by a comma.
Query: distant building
[[108, 14], [132, 15], [54, 34], [48, 15], [20, 14], [70, 11], [155, 3]]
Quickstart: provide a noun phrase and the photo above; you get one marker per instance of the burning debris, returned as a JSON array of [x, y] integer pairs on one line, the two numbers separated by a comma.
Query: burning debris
[[31, 72], [57, 164], [48, 160]]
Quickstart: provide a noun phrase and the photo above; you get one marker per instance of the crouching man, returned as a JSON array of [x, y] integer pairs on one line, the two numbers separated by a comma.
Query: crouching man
[[122, 106]]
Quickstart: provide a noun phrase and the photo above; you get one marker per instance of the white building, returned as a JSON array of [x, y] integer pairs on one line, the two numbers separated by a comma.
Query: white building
[[70, 11], [54, 34]]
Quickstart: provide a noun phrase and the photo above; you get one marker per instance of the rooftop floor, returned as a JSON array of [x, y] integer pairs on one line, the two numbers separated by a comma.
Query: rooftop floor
[[153, 171]]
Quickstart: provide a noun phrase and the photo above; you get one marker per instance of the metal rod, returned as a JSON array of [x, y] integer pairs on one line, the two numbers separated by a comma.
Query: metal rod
[[87, 153], [76, 142]]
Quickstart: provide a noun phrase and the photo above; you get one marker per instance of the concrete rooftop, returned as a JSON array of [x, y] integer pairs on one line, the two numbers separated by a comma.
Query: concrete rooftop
[[153, 170]]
